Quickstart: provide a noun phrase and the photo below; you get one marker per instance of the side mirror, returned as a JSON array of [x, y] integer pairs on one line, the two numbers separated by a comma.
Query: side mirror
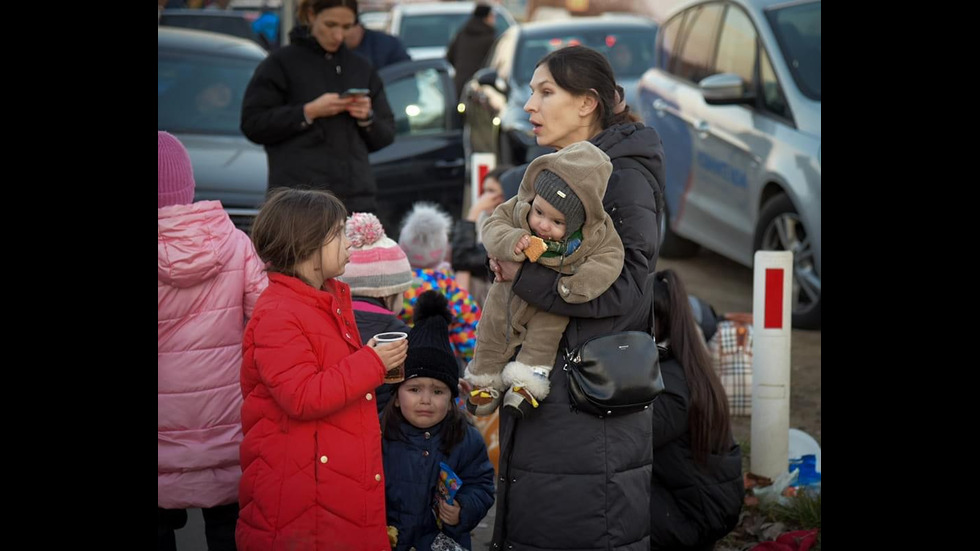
[[725, 89]]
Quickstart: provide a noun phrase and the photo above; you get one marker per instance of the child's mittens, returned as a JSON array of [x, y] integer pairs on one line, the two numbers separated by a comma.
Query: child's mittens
[[535, 249]]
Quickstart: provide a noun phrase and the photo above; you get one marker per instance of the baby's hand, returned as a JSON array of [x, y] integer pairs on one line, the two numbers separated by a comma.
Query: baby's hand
[[522, 244]]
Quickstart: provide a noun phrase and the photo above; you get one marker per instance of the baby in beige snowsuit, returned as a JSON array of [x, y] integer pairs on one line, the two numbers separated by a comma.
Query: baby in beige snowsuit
[[560, 202]]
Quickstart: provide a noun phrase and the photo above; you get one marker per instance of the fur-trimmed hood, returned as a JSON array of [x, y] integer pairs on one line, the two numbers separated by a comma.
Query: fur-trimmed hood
[[586, 169]]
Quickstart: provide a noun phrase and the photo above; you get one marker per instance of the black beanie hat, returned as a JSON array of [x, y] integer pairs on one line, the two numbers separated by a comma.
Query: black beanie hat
[[558, 194], [429, 352]]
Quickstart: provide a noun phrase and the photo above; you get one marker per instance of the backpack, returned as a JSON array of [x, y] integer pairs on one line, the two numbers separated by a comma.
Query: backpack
[[730, 349]]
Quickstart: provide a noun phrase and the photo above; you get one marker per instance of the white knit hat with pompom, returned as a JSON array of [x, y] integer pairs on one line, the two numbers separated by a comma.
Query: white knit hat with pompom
[[378, 266]]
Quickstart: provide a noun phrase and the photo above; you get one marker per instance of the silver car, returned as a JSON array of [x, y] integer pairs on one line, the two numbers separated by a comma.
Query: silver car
[[735, 95]]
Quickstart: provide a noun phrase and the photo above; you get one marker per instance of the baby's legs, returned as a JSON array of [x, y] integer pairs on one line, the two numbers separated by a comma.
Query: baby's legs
[[493, 350], [529, 375]]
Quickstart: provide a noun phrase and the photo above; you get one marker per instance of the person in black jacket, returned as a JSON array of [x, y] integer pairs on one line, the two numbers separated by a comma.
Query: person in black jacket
[[421, 428], [697, 488], [378, 274], [314, 136], [571, 480], [469, 47]]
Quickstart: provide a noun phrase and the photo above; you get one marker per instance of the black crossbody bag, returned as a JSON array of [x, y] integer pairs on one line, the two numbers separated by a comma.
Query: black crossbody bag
[[615, 374]]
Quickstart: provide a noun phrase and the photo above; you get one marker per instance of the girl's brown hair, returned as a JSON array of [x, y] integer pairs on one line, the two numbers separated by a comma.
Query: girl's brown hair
[[306, 7], [708, 418], [453, 426], [293, 225], [582, 70]]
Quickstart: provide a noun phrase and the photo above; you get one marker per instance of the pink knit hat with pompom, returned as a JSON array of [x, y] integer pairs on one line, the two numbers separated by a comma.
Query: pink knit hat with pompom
[[175, 177], [378, 266]]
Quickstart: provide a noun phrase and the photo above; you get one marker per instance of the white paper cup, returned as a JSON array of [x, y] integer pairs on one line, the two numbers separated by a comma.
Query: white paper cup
[[397, 373]]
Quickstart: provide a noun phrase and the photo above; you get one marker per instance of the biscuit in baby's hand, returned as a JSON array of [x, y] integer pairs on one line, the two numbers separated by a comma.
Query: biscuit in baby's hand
[[535, 249]]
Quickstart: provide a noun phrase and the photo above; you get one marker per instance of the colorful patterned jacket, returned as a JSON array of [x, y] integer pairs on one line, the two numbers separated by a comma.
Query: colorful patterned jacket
[[462, 331]]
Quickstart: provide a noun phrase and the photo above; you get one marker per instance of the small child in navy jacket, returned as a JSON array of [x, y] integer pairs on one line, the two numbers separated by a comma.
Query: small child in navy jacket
[[421, 427]]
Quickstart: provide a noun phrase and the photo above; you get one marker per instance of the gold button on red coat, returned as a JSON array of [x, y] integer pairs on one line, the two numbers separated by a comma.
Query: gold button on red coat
[[368, 396], [377, 477], [323, 459]]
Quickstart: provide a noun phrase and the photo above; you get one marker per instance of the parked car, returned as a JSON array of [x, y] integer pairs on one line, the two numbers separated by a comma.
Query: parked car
[[735, 95], [493, 100], [202, 76], [427, 28], [232, 22]]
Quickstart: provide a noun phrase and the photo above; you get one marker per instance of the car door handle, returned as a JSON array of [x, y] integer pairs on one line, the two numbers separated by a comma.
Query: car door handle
[[703, 129], [449, 164], [662, 108]]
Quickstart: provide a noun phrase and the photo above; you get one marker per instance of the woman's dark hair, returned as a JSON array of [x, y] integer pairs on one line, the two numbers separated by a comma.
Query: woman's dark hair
[[580, 70], [453, 426], [708, 418], [293, 224], [497, 171], [304, 7]]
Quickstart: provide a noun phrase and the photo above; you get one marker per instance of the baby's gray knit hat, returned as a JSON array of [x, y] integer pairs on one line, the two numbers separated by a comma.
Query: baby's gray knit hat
[[558, 194]]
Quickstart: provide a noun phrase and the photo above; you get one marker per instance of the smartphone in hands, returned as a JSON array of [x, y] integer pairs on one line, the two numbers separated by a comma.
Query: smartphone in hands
[[355, 92]]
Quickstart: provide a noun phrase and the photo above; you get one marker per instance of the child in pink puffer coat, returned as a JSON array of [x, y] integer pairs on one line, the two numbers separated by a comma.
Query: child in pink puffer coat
[[208, 279]]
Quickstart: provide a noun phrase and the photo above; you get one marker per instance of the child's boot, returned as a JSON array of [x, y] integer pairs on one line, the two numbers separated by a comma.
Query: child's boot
[[528, 386], [487, 392]]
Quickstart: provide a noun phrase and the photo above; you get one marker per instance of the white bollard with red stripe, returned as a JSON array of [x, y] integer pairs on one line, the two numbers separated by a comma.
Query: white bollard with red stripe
[[771, 331], [482, 163]]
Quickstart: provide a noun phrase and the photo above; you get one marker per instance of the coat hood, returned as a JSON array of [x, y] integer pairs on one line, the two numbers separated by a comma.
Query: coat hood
[[191, 242], [639, 143], [586, 169]]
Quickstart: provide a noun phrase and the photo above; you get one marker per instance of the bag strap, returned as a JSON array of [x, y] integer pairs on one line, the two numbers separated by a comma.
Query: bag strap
[[651, 281]]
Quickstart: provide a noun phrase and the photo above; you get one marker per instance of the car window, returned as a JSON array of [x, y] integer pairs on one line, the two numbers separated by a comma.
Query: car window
[[201, 94], [772, 94], [629, 51], [797, 29], [667, 53], [234, 26], [737, 47], [419, 103], [698, 42], [430, 30]]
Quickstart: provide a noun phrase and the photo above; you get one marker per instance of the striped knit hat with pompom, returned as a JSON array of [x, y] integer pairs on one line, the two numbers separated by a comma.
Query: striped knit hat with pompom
[[378, 266]]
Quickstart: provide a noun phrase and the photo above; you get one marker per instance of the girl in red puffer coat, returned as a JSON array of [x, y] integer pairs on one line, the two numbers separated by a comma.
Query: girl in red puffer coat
[[312, 475]]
